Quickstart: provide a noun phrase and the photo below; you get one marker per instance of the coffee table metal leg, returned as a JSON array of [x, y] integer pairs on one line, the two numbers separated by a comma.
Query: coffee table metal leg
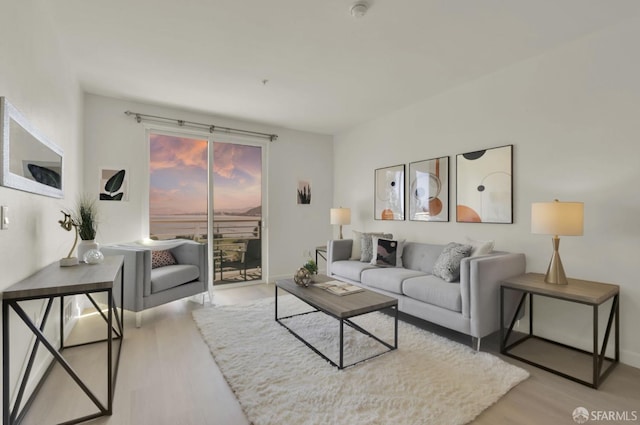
[[341, 343], [395, 337], [276, 286]]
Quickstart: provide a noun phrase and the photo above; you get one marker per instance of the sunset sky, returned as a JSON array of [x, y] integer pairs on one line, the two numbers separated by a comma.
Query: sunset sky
[[178, 168]]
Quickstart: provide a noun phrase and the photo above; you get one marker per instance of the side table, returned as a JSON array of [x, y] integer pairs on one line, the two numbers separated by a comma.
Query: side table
[[322, 252], [586, 292]]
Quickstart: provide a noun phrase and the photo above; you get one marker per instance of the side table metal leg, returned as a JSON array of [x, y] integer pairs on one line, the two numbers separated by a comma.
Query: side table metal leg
[[596, 371]]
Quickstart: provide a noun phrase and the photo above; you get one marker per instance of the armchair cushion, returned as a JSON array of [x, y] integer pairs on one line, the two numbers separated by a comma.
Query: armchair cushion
[[163, 278]]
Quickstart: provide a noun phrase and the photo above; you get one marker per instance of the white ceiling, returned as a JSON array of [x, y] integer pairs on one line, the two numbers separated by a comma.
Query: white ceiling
[[326, 70]]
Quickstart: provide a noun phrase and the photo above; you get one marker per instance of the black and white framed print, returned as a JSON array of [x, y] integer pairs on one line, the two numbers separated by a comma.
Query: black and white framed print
[[485, 186], [389, 193], [429, 190]]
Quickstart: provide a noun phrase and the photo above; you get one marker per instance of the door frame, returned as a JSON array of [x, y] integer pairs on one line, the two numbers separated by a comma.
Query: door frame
[[211, 138]]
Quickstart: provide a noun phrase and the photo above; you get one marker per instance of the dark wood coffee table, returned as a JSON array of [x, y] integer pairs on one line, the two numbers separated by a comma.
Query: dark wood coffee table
[[341, 308]]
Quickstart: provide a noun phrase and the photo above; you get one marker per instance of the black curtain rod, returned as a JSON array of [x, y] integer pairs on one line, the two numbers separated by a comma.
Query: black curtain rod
[[209, 127]]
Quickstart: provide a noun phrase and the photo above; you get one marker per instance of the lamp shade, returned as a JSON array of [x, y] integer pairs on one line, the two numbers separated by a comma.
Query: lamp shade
[[557, 218], [340, 216]]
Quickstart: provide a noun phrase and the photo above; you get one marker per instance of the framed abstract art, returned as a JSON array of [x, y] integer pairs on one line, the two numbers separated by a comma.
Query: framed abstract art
[[485, 186], [429, 190], [389, 193]]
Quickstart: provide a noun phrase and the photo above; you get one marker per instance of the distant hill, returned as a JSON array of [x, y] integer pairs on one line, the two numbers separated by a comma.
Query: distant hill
[[255, 212], [252, 212]]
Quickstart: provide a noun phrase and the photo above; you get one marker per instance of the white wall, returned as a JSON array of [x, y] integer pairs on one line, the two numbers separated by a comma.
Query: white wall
[[114, 140], [35, 78], [572, 116]]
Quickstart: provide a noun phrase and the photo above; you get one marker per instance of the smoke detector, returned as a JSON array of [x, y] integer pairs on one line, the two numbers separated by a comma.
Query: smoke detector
[[358, 10]]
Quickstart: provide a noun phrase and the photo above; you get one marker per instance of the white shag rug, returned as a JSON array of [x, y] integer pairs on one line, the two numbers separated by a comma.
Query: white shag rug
[[280, 381]]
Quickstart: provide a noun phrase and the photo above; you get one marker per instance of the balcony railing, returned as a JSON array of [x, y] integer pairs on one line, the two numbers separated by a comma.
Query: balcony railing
[[231, 236]]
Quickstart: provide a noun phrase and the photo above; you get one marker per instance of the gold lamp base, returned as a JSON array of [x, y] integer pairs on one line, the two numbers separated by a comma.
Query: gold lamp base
[[555, 273]]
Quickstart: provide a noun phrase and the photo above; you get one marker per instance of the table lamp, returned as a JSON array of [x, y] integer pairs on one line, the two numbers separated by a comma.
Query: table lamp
[[340, 216], [558, 219]]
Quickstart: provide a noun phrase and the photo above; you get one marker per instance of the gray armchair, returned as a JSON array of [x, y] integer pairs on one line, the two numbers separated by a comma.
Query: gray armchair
[[145, 287]]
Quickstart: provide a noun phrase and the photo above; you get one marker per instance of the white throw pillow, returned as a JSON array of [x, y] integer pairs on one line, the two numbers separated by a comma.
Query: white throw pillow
[[480, 247], [387, 252], [356, 246]]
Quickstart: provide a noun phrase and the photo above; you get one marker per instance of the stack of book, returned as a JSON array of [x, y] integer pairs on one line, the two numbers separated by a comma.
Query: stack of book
[[339, 288]]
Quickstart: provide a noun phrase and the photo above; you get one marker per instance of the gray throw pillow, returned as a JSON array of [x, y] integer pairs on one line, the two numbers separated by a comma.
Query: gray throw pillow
[[447, 265], [366, 245]]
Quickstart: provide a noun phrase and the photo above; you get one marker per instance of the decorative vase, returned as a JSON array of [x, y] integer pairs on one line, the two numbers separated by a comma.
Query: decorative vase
[[93, 256], [85, 246]]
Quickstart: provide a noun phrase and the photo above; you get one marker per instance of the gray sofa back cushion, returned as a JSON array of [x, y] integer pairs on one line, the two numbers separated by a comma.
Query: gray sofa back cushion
[[420, 256]]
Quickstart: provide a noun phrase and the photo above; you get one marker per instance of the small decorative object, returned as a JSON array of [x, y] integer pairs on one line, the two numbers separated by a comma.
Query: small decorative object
[[484, 186], [85, 218], [302, 277], [68, 224], [311, 266], [93, 256], [389, 193]]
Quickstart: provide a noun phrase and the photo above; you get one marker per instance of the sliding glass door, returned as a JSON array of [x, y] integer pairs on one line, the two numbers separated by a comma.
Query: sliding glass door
[[212, 192], [237, 212]]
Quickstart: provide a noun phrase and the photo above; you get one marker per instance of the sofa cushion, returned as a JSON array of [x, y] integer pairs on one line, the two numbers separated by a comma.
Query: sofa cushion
[[420, 256], [350, 269], [168, 277], [433, 290], [387, 252], [388, 279], [447, 265]]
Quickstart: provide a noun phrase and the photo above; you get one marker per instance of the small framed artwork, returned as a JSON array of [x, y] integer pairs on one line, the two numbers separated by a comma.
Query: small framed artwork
[[304, 192], [429, 190], [485, 186], [114, 184], [389, 193]]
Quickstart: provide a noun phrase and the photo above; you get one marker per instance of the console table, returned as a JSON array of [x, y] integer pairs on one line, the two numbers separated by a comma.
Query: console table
[[593, 294], [48, 284]]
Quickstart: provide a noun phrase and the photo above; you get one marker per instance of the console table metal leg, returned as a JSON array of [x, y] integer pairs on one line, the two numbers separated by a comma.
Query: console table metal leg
[[5, 363], [110, 303]]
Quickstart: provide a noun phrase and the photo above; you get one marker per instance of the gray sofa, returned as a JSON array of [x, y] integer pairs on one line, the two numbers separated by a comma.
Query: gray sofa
[[469, 305], [146, 287]]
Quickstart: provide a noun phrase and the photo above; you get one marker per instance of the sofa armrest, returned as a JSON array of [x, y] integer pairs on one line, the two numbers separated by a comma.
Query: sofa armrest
[[480, 288], [337, 250], [193, 253], [137, 277]]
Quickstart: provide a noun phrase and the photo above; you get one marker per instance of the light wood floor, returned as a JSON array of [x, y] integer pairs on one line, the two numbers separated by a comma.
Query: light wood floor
[[168, 377]]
